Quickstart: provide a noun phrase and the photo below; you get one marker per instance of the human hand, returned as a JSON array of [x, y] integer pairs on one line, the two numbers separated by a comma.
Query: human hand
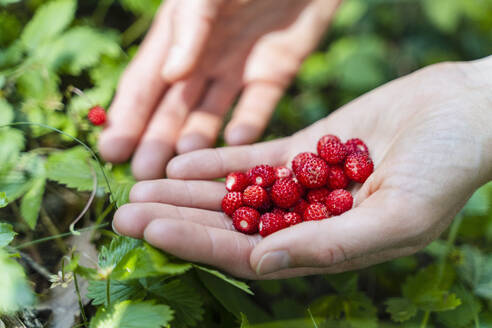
[[429, 136], [197, 57]]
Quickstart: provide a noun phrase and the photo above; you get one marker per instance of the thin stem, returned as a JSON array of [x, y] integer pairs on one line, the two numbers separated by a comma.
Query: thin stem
[[53, 229], [103, 215], [80, 93], [135, 30], [88, 204], [81, 305], [33, 264], [66, 234], [425, 319], [312, 318]]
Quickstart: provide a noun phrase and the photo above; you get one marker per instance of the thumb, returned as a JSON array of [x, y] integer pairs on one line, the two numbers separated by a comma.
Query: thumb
[[371, 228], [192, 23]]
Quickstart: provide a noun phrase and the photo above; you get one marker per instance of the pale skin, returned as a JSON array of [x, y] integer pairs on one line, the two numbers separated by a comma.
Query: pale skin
[[429, 135], [197, 59]]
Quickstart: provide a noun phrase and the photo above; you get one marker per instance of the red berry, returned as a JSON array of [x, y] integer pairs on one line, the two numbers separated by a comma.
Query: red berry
[[358, 167], [282, 172], [97, 115], [356, 146], [256, 197], [333, 151], [236, 181], [300, 159], [231, 202], [313, 173], [337, 178], [292, 218], [300, 207], [316, 211], [245, 220], [339, 201], [317, 195], [261, 175], [324, 139], [285, 192], [270, 223], [278, 210]]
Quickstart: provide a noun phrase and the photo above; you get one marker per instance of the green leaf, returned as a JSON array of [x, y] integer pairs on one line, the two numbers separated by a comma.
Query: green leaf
[[479, 204], [445, 14], [31, 202], [400, 309], [464, 314], [239, 284], [74, 168], [16, 293], [7, 2], [11, 143], [330, 306], [244, 321], [50, 20], [141, 7], [183, 299], [232, 299], [7, 234], [360, 312], [344, 283], [119, 247], [118, 290], [146, 261], [429, 291], [3, 199], [128, 314], [6, 112], [476, 271]]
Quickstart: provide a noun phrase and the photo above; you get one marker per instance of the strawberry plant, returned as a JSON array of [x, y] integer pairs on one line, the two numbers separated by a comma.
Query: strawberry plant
[[61, 264]]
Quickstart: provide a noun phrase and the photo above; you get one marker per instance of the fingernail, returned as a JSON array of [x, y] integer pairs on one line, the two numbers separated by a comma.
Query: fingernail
[[241, 134], [174, 63], [114, 229], [272, 262]]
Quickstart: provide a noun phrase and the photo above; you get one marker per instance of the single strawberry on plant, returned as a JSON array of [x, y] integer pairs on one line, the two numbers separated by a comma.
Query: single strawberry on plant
[[97, 115], [339, 201], [356, 145], [270, 223], [255, 197], [300, 159], [324, 139], [292, 218], [337, 178], [333, 151], [245, 220], [261, 175], [316, 211], [236, 181], [313, 173], [231, 202], [317, 195], [358, 167], [285, 192]]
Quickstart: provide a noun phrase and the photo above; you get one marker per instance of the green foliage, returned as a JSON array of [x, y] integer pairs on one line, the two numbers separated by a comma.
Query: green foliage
[[128, 314], [7, 234]]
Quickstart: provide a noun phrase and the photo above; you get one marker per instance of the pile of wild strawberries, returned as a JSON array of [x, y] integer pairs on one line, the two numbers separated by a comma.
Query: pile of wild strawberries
[[266, 199]]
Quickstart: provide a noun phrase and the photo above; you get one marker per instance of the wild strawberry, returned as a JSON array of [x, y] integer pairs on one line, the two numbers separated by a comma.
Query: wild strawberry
[[356, 146], [324, 139], [358, 167], [301, 159], [255, 197], [316, 211], [236, 181], [282, 172], [337, 178], [292, 218], [270, 223], [261, 175], [231, 202], [97, 115], [339, 201], [278, 210], [317, 195], [313, 173], [245, 220], [285, 192], [333, 151], [300, 207]]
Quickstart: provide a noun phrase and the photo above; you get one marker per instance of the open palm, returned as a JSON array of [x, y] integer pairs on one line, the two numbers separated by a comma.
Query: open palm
[[196, 59], [428, 136]]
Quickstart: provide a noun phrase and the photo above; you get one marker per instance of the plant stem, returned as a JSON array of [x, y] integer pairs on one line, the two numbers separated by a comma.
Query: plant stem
[[135, 30], [101, 217], [425, 319], [53, 230], [81, 305]]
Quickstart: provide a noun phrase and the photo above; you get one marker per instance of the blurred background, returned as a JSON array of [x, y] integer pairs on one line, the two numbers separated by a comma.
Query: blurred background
[[370, 42]]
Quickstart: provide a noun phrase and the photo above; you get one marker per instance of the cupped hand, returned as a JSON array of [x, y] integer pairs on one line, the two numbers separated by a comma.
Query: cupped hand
[[429, 135], [196, 59]]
